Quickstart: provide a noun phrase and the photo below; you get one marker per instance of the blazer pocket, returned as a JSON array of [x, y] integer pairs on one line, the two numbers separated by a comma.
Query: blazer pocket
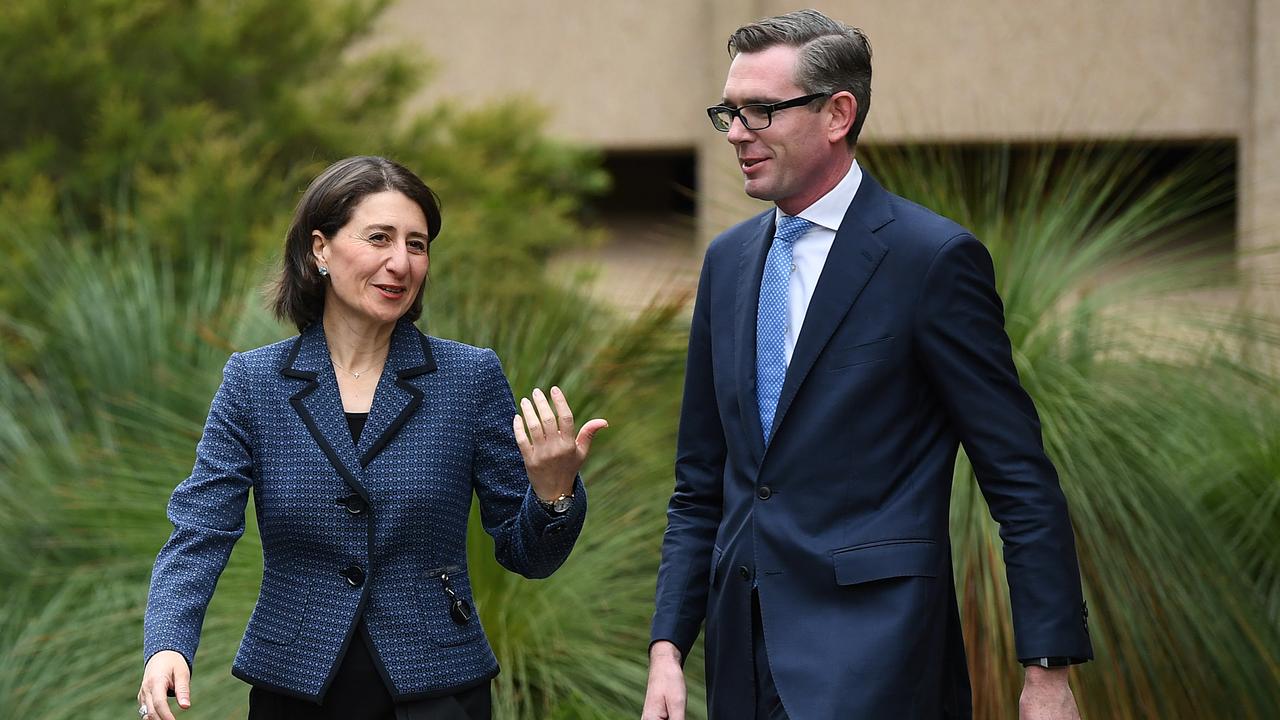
[[716, 554], [867, 352], [883, 560], [448, 623], [282, 603]]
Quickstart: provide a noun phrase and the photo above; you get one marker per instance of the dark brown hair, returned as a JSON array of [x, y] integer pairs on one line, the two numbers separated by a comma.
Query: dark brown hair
[[327, 206], [833, 56]]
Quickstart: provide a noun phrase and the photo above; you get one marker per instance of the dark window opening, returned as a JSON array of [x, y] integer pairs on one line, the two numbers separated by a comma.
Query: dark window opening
[[1198, 178], [659, 183]]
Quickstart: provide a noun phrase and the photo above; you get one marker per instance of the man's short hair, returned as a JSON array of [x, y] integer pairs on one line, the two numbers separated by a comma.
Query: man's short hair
[[833, 56]]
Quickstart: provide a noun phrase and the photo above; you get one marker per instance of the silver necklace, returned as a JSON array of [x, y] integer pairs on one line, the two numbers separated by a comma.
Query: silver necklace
[[353, 373]]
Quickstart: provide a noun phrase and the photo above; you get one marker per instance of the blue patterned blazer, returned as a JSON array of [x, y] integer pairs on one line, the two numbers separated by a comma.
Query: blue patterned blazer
[[351, 530]]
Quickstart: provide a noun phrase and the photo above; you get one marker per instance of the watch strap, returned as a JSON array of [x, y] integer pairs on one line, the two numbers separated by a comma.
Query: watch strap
[[1048, 662], [559, 506]]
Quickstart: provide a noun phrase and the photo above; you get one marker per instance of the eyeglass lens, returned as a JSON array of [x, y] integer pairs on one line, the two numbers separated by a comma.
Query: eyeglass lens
[[755, 117]]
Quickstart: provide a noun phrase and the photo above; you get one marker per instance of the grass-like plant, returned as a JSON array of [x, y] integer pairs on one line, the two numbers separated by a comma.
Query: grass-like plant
[[1159, 408], [95, 438]]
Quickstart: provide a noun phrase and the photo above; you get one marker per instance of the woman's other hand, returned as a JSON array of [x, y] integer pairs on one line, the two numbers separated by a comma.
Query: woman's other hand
[[166, 670], [553, 449]]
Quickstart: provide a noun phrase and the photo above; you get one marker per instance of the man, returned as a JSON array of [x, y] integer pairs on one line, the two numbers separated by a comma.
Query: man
[[843, 345]]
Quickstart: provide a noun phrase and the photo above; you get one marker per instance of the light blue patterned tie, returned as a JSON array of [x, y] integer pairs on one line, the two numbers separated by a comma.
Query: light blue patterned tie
[[771, 319]]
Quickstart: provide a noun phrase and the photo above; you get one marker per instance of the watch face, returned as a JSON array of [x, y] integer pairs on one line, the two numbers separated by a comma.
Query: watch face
[[562, 503]]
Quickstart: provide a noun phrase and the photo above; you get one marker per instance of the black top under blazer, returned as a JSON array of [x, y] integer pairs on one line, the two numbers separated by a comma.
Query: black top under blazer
[[353, 530]]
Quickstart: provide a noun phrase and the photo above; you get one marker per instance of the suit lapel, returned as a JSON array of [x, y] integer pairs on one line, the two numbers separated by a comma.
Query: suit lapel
[[319, 404], [855, 255], [396, 399], [751, 257]]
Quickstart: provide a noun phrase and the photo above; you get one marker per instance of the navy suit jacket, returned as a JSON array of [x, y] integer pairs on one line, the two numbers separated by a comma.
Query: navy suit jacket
[[351, 530], [841, 521]]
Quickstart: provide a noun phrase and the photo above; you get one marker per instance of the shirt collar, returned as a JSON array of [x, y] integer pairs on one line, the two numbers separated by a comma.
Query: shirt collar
[[829, 209]]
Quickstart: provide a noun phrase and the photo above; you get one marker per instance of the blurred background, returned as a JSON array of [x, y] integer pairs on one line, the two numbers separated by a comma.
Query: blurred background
[[1120, 159]]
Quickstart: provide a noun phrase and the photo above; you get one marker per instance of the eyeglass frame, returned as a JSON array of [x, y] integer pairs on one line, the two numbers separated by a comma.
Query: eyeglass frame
[[769, 110]]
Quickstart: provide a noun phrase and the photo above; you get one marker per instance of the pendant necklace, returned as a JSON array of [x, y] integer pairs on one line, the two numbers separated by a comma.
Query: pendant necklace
[[353, 373]]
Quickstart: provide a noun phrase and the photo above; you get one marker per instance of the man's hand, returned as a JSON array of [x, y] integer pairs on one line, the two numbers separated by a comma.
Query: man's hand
[[1045, 695], [665, 697]]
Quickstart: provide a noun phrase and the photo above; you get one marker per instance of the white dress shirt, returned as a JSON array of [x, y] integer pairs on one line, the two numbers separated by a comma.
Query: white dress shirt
[[809, 252]]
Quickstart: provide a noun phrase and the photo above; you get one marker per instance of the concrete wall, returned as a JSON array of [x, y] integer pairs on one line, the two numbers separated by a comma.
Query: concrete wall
[[619, 74], [636, 75], [1076, 68], [1260, 163]]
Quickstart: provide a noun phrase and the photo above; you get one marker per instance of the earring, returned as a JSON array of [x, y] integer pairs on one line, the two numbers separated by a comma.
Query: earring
[[324, 271]]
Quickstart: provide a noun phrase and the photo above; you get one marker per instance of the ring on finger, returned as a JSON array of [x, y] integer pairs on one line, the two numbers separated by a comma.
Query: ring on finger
[[143, 712]]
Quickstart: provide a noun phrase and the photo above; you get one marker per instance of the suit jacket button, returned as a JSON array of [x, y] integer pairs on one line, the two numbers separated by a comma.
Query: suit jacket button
[[354, 504], [764, 493], [354, 575], [744, 572]]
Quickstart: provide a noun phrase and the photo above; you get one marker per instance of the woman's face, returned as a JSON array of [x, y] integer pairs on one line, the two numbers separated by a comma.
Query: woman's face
[[377, 261]]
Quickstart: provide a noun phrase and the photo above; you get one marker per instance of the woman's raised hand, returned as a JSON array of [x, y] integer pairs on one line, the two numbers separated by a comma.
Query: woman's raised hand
[[552, 447]]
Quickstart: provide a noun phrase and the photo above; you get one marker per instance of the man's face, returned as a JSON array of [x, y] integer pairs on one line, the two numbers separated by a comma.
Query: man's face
[[792, 162]]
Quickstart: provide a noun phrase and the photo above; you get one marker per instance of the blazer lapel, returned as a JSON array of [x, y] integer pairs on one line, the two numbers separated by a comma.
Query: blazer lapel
[[396, 399], [751, 257], [855, 255], [319, 404]]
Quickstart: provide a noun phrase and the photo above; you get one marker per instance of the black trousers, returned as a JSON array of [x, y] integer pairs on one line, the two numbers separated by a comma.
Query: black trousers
[[768, 702], [358, 693]]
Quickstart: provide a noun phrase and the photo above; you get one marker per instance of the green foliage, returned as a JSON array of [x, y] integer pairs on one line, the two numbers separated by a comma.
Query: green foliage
[[197, 124], [150, 153], [105, 428], [1157, 408], [150, 156]]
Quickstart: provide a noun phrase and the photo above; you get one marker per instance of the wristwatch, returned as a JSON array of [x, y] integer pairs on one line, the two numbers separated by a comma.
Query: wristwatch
[[559, 506], [1047, 662]]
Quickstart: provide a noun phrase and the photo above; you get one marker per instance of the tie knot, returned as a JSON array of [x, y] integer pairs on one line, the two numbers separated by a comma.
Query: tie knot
[[791, 227]]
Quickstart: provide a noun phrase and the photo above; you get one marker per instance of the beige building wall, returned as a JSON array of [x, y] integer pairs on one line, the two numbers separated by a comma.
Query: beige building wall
[[631, 76], [637, 75], [617, 74], [1010, 69], [1260, 163]]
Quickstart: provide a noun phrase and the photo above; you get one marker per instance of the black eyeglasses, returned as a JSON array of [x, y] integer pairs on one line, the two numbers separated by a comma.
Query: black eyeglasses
[[756, 116]]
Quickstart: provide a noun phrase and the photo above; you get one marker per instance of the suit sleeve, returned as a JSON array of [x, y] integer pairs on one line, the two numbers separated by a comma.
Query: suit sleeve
[[527, 539], [207, 511], [693, 513], [967, 355]]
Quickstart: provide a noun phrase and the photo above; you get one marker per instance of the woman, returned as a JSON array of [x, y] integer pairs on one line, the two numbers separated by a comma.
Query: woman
[[362, 441]]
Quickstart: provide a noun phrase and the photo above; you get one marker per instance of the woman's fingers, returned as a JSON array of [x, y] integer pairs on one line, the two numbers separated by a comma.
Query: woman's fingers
[[546, 415], [588, 433], [531, 419], [166, 669], [564, 415], [546, 424], [552, 451], [522, 438], [157, 702], [182, 685]]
